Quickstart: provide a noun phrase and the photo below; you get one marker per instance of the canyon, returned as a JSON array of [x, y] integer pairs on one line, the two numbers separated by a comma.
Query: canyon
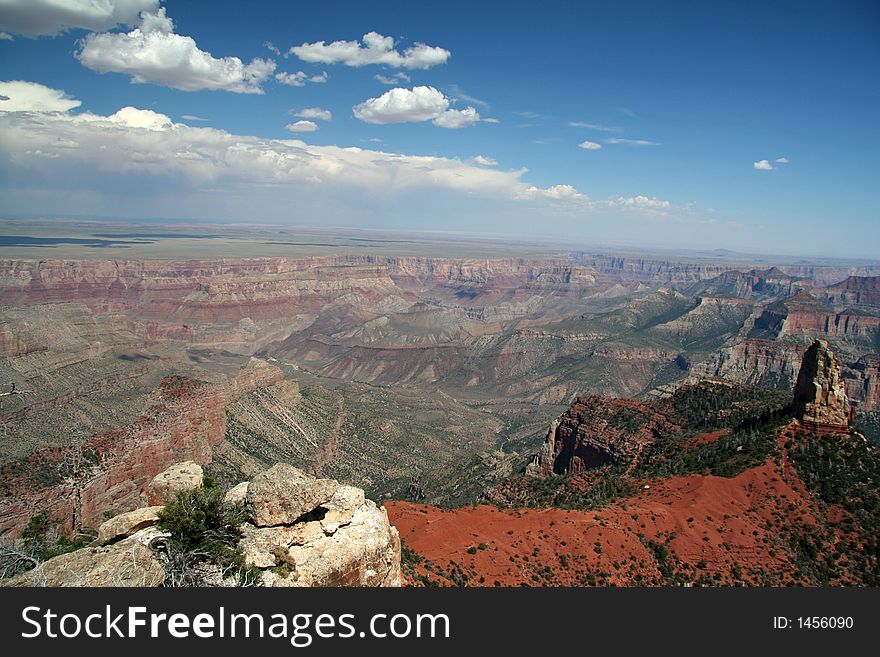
[[419, 378]]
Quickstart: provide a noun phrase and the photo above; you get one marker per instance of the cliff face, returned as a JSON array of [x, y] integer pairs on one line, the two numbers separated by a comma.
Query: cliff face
[[597, 431], [855, 291], [754, 284], [238, 304], [109, 471], [820, 395]]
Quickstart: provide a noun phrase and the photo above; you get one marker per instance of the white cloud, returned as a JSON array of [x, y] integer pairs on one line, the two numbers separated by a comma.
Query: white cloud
[[35, 18], [376, 49], [302, 126], [763, 165], [152, 52], [643, 202], [271, 47], [391, 80], [299, 78], [145, 143], [21, 96], [149, 149], [402, 106], [314, 113], [414, 105], [193, 117], [454, 118], [590, 145], [592, 126], [782, 160], [5, 36], [631, 142], [131, 117]]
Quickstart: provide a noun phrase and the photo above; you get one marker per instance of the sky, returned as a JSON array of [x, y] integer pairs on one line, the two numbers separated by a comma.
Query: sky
[[742, 125]]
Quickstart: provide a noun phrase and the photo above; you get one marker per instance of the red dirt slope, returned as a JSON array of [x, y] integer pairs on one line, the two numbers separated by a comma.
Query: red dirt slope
[[694, 529]]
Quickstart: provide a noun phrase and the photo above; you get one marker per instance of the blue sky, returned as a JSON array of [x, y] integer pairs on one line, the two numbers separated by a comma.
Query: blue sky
[[685, 107]]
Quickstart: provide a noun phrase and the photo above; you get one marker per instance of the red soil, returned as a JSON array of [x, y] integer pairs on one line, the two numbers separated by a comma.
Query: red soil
[[726, 529]]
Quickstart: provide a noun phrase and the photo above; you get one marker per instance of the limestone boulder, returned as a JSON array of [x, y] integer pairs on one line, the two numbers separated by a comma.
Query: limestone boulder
[[237, 493], [186, 475], [363, 550], [283, 493], [126, 524]]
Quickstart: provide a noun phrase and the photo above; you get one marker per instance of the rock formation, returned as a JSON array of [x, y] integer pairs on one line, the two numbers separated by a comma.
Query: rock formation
[[302, 531], [283, 493], [177, 477], [597, 431], [820, 395], [126, 563]]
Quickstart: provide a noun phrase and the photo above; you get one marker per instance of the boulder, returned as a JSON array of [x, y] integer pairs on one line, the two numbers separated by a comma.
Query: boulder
[[341, 508], [126, 524], [237, 493], [820, 399], [283, 493], [363, 550], [126, 563], [186, 475]]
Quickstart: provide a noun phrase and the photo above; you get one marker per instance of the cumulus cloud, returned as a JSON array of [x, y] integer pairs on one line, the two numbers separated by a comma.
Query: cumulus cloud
[[643, 202], [299, 78], [414, 105], [374, 49], [453, 118], [21, 96], [782, 160], [302, 126], [34, 18], [392, 80], [763, 165], [152, 52], [631, 142], [486, 161], [590, 145], [314, 113], [401, 105]]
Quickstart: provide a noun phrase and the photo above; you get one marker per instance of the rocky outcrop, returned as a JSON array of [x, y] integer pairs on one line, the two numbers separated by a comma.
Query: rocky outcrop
[[283, 493], [820, 396], [126, 524], [598, 431], [322, 533], [346, 540], [187, 475], [126, 563]]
